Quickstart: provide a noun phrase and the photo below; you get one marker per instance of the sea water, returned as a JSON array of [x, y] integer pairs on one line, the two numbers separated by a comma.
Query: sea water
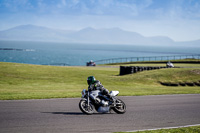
[[49, 53]]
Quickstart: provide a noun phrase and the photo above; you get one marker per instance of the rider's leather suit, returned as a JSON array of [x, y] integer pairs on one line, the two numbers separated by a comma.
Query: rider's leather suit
[[98, 86]]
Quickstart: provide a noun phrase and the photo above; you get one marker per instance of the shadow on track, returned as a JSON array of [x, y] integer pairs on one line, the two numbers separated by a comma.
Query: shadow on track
[[65, 113], [73, 113]]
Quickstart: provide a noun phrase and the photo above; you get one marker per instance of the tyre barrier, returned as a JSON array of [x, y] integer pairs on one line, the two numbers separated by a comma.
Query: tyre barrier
[[180, 84], [134, 69], [197, 84]]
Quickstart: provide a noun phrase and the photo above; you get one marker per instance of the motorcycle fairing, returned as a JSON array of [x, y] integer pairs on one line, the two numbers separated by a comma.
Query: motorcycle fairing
[[114, 93]]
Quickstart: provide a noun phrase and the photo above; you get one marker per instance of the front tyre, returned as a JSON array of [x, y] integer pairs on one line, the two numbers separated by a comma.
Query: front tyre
[[120, 107], [85, 108]]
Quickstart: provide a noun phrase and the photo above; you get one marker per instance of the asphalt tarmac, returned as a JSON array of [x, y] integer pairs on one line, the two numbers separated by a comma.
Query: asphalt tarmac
[[64, 116]]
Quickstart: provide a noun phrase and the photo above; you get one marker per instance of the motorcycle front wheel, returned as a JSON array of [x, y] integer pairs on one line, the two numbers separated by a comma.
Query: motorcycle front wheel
[[120, 107], [85, 108]]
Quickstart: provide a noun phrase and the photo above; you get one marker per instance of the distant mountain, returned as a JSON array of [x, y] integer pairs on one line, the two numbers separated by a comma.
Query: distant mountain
[[34, 33], [86, 35]]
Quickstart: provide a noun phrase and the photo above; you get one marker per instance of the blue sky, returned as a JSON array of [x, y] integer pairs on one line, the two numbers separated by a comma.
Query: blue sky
[[177, 19]]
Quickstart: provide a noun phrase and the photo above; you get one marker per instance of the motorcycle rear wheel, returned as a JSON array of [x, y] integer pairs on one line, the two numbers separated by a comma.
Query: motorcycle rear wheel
[[85, 108], [120, 107]]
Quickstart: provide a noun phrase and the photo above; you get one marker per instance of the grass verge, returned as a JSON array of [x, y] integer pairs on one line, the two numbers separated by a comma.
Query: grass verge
[[23, 81], [193, 129]]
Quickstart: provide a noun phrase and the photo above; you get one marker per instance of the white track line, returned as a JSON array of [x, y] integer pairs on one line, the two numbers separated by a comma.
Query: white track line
[[164, 128]]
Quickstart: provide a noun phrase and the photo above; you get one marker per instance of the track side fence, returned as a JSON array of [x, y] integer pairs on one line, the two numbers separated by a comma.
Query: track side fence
[[150, 58]]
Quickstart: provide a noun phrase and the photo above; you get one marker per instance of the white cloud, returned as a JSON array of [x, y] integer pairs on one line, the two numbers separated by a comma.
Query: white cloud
[[63, 2]]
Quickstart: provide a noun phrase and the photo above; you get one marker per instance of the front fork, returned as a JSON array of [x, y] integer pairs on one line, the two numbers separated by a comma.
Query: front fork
[[114, 101]]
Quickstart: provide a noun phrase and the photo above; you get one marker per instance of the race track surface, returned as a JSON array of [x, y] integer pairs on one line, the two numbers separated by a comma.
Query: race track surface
[[64, 116]]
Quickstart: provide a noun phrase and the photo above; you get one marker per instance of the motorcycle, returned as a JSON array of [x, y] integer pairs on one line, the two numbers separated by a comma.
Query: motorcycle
[[94, 100]]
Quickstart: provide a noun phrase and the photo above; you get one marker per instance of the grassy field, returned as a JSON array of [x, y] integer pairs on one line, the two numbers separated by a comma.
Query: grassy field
[[23, 81], [194, 129]]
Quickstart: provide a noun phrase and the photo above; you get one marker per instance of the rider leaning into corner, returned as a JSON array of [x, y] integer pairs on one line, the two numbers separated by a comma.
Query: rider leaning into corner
[[99, 98], [96, 85]]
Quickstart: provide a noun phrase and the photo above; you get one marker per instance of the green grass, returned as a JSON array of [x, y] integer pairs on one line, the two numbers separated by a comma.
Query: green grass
[[193, 129], [23, 81]]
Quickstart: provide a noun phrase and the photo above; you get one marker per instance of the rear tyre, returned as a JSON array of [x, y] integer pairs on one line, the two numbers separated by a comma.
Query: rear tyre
[[120, 107], [85, 108]]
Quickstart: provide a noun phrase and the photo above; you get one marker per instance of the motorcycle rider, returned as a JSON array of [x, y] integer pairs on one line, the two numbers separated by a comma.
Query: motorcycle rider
[[96, 85]]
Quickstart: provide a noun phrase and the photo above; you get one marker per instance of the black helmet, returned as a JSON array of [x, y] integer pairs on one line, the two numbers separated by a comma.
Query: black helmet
[[91, 80]]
